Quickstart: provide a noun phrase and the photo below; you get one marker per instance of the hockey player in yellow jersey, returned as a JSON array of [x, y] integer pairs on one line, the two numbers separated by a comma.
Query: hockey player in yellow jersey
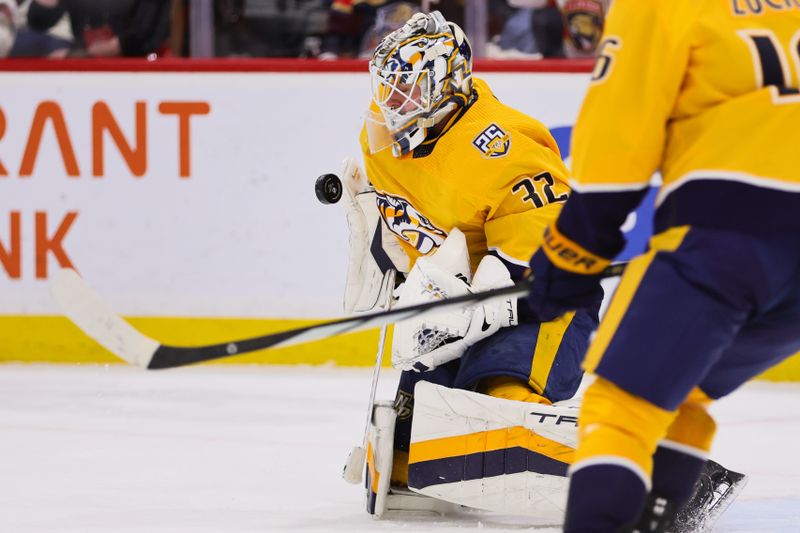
[[706, 92], [443, 153], [481, 166], [465, 186]]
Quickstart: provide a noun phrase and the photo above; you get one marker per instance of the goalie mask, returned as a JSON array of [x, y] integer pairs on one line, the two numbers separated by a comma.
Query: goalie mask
[[419, 74]]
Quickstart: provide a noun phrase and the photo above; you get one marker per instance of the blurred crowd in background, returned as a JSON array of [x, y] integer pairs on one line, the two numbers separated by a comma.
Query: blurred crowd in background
[[322, 29]]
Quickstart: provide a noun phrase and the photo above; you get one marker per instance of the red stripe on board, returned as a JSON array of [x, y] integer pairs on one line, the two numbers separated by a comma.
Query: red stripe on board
[[265, 65]]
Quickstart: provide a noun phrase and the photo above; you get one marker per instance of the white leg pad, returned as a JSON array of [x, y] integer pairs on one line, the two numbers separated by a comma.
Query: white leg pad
[[489, 453]]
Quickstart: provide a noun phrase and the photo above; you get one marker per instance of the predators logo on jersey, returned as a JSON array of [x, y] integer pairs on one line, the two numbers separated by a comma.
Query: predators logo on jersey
[[492, 142], [409, 224]]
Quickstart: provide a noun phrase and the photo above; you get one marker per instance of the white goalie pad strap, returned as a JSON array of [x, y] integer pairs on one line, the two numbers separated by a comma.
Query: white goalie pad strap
[[490, 453], [404, 500], [372, 255]]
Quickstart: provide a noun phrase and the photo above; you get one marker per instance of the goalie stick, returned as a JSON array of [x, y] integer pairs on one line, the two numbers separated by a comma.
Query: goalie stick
[[92, 315], [354, 465]]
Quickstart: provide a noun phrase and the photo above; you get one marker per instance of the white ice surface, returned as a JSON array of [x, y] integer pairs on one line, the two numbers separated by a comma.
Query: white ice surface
[[90, 449]]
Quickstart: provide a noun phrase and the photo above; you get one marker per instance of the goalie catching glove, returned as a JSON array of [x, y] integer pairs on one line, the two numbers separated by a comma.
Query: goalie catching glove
[[373, 249], [424, 343]]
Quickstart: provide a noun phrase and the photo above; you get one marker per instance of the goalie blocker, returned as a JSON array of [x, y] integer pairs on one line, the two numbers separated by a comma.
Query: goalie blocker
[[472, 450]]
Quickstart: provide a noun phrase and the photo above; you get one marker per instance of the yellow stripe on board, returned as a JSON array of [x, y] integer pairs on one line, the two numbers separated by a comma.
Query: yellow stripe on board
[[789, 370], [489, 441], [54, 339]]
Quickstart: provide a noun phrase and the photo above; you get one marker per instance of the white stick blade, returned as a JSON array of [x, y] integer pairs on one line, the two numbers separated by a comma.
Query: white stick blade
[[91, 314]]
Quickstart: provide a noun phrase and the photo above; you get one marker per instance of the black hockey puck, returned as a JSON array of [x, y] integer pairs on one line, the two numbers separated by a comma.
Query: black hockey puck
[[328, 188]]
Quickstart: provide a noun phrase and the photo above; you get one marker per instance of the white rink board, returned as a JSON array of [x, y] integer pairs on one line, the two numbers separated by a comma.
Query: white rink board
[[243, 234]]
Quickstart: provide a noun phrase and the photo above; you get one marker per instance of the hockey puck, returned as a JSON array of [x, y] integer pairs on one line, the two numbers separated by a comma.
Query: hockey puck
[[328, 188]]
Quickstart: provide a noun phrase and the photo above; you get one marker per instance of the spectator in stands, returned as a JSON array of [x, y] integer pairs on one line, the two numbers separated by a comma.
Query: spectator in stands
[[388, 18], [8, 9], [235, 35], [104, 28], [515, 40], [351, 23], [178, 40], [269, 28], [348, 24], [54, 43], [566, 28]]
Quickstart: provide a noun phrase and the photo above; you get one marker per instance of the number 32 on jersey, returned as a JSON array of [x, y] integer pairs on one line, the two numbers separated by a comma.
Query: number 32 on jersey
[[538, 190]]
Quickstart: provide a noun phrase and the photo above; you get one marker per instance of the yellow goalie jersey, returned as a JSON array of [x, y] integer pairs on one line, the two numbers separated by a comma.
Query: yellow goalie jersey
[[493, 172], [706, 91]]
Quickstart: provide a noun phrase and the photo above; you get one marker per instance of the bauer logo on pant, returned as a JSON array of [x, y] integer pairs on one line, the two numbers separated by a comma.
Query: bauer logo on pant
[[493, 142]]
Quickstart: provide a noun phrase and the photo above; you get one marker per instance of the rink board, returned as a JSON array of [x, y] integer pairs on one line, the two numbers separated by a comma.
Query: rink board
[[54, 339], [182, 191]]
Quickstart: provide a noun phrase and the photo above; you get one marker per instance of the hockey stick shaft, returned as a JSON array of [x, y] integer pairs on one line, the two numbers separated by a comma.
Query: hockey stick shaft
[[87, 310], [376, 372]]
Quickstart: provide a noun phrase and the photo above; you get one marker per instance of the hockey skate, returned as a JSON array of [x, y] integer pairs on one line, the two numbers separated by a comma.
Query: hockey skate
[[714, 492]]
